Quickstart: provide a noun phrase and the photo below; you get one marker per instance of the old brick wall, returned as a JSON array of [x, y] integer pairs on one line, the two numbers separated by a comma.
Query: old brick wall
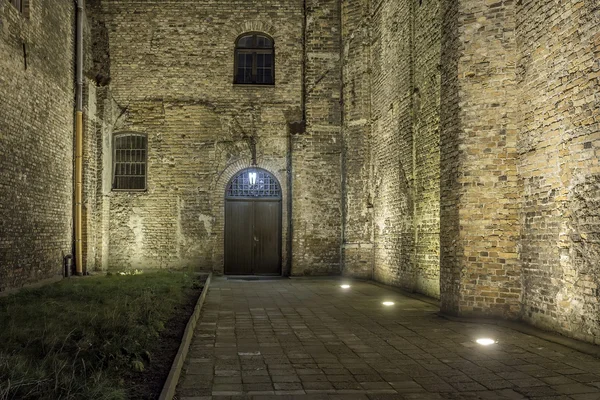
[[316, 155], [36, 140], [559, 148], [479, 185], [392, 142], [357, 248], [426, 146], [404, 63], [170, 68]]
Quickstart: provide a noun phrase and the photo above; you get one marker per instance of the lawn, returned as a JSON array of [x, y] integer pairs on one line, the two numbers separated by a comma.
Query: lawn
[[109, 337]]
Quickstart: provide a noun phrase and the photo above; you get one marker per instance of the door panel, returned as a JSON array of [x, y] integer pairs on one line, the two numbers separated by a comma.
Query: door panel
[[267, 234], [239, 217]]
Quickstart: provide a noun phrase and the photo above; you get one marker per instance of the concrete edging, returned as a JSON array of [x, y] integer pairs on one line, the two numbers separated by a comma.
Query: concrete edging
[[171, 383], [34, 285]]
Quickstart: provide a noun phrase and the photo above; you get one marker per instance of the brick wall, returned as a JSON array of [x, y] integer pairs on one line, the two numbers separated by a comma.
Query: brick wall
[[356, 173], [558, 74], [170, 71], [426, 155], [480, 220], [404, 150], [317, 185], [392, 143], [36, 140]]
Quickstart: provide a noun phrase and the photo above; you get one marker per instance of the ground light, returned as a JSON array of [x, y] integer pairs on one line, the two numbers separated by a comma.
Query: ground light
[[345, 286], [485, 341], [388, 303]]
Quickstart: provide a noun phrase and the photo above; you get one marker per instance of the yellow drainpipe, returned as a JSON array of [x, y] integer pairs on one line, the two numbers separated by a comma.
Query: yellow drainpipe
[[79, 144]]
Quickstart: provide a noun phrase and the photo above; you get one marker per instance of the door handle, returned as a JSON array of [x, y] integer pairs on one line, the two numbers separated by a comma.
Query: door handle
[[255, 238]]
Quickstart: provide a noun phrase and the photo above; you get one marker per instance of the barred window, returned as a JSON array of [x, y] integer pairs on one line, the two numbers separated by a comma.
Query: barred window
[[21, 5], [254, 60], [130, 162]]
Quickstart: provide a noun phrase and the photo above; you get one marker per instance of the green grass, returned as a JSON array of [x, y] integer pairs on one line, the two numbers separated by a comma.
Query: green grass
[[78, 338]]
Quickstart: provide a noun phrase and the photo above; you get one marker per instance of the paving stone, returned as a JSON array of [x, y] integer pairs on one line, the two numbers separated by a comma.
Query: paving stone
[[328, 346]]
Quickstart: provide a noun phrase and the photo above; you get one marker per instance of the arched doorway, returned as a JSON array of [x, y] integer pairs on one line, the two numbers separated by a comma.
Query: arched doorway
[[253, 224]]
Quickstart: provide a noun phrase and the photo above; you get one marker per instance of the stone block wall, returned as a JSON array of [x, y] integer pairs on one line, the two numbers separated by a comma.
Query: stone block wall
[[558, 73], [36, 140]]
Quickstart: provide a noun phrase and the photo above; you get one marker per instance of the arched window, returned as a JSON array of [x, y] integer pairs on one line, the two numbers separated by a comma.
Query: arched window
[[130, 159], [253, 182], [254, 59]]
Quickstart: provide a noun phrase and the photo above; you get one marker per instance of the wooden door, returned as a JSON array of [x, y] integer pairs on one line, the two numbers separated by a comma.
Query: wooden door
[[267, 237], [239, 216], [252, 237]]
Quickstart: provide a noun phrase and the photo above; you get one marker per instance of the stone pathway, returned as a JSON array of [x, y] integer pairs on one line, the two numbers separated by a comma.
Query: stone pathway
[[311, 339]]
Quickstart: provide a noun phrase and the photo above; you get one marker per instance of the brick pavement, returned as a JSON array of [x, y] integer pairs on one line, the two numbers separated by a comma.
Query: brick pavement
[[311, 339]]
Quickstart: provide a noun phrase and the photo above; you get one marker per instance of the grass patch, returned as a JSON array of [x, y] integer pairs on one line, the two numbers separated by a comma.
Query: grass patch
[[82, 338]]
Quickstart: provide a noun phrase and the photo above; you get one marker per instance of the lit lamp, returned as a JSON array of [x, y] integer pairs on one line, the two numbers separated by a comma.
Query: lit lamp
[[252, 178]]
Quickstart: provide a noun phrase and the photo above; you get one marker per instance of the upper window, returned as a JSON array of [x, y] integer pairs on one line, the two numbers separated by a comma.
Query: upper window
[[129, 162], [254, 60]]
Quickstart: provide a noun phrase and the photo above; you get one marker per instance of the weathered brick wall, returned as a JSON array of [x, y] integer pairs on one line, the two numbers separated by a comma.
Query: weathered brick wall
[[170, 71], [559, 148], [317, 185], [426, 156], [405, 104], [392, 143], [36, 140], [357, 249], [480, 224]]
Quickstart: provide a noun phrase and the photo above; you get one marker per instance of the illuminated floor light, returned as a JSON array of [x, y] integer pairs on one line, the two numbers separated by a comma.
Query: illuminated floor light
[[485, 341], [388, 303], [345, 286]]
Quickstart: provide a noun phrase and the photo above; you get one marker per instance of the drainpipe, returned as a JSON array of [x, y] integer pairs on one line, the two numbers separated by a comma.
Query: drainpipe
[[79, 142]]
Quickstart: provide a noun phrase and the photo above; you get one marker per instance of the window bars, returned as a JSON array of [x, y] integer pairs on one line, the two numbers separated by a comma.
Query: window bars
[[245, 184], [130, 162]]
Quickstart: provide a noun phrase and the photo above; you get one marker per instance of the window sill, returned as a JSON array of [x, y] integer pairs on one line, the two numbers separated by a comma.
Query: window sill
[[252, 85], [135, 191]]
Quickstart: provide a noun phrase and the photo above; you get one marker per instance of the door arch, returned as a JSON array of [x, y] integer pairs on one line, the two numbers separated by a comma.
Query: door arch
[[253, 224]]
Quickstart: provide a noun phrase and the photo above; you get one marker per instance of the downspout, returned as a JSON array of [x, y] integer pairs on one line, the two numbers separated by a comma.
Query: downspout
[[79, 142], [304, 57]]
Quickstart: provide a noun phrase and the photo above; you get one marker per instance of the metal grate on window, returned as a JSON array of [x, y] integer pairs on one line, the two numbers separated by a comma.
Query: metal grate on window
[[130, 162], [254, 183]]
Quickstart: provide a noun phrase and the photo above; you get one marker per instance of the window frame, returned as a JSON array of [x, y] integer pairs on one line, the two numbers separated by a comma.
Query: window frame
[[114, 161], [22, 6], [254, 51]]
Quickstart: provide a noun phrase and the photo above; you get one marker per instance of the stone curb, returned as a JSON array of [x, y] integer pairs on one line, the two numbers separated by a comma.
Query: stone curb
[[35, 285], [171, 383]]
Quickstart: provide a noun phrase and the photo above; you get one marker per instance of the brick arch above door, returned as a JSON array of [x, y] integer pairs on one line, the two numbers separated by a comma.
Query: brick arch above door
[[275, 166]]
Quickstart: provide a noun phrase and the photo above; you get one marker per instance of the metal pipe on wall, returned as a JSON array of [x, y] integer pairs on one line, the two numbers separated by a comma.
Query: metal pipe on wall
[[79, 143]]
